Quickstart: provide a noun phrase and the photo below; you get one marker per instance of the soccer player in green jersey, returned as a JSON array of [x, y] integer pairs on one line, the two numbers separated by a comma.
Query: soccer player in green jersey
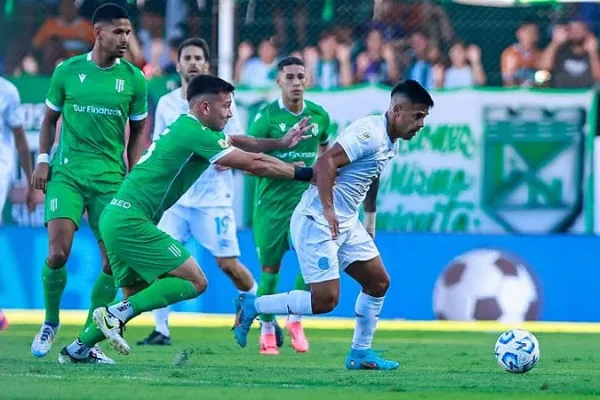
[[96, 94], [152, 268], [275, 200]]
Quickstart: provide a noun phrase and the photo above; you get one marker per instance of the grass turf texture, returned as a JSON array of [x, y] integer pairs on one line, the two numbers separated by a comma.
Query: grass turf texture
[[435, 365]]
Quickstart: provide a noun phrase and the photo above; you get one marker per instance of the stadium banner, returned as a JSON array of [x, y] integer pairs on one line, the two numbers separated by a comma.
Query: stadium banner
[[487, 161], [447, 276]]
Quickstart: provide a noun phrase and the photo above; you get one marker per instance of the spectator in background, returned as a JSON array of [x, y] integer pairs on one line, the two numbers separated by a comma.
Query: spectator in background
[[519, 62], [377, 64], [257, 71], [154, 48], [465, 68], [329, 66], [420, 65], [572, 56], [63, 36]]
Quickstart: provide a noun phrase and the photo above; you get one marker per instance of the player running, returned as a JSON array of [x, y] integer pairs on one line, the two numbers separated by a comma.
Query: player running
[[153, 269], [275, 200], [96, 94], [205, 211], [327, 234]]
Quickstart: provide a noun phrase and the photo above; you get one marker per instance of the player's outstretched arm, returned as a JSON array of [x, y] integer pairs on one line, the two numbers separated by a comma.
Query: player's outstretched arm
[[291, 139], [326, 170], [264, 165], [46, 140], [370, 207]]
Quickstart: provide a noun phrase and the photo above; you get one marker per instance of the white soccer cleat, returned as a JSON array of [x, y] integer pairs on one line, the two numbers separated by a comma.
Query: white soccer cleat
[[42, 343], [97, 352], [112, 328], [65, 358]]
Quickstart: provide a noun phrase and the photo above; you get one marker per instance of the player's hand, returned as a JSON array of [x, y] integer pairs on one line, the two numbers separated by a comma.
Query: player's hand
[[560, 34], [39, 180], [329, 214], [297, 134], [30, 198]]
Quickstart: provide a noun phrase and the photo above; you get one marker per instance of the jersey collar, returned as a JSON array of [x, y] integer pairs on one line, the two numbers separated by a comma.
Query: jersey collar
[[283, 107], [89, 58]]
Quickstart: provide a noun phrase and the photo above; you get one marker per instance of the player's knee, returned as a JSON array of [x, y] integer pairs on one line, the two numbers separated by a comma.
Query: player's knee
[[106, 267], [378, 287], [57, 256], [324, 302], [200, 284], [228, 265]]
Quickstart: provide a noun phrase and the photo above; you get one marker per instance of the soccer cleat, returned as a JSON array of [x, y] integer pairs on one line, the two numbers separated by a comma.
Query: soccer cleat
[[112, 329], [299, 341], [155, 338], [3, 321], [368, 359], [268, 344], [97, 352], [42, 343], [245, 313], [65, 358], [279, 336]]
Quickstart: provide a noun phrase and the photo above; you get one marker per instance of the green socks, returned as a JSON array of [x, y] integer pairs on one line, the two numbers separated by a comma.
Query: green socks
[[103, 293], [54, 283], [299, 284], [160, 294], [268, 285]]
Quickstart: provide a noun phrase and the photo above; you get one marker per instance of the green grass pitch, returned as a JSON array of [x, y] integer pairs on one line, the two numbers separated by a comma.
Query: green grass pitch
[[435, 365]]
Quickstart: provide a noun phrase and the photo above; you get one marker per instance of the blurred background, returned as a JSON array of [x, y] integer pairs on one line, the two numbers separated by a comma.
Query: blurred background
[[488, 214]]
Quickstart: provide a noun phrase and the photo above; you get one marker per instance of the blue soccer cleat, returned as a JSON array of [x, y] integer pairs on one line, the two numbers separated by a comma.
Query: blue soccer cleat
[[245, 313], [368, 359]]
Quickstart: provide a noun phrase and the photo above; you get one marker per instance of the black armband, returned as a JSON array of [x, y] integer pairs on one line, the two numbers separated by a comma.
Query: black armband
[[304, 174]]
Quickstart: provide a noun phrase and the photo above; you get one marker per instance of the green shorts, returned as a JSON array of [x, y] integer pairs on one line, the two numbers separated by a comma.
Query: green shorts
[[137, 250], [271, 238], [68, 197]]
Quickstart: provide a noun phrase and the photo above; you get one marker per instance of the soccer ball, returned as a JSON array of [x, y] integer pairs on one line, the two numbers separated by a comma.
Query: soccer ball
[[517, 351], [486, 284]]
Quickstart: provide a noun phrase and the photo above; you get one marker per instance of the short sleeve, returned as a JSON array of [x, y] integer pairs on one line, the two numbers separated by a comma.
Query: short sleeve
[[233, 127], [56, 94], [325, 131], [358, 141], [211, 145], [13, 112], [259, 127], [138, 109], [159, 120]]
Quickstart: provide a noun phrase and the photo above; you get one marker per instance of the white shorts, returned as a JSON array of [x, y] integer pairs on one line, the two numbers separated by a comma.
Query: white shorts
[[213, 228], [321, 258]]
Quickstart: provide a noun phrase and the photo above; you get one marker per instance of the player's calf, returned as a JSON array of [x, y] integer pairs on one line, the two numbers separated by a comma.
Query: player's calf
[[325, 296], [237, 272]]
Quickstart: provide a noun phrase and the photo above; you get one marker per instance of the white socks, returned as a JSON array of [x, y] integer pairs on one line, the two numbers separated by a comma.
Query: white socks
[[161, 320], [295, 318], [294, 302], [367, 310], [252, 290], [78, 350], [122, 310], [267, 327]]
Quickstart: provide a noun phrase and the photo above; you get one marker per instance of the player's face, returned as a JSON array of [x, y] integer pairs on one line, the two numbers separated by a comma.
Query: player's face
[[292, 81], [192, 62], [216, 112], [408, 119], [114, 37]]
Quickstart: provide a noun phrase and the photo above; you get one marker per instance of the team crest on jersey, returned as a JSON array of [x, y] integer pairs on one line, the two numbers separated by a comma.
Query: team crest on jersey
[[119, 85], [315, 129], [223, 143], [364, 136], [282, 127]]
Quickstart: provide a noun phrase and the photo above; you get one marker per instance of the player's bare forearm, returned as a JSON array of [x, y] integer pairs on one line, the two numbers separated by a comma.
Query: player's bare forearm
[[264, 165], [23, 150], [135, 147], [370, 202], [254, 145], [326, 171], [48, 130]]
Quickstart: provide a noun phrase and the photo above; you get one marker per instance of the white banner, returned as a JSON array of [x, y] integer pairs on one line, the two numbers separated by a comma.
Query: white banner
[[487, 161]]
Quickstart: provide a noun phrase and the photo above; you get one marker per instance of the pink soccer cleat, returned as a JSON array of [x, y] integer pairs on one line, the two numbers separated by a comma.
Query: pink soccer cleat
[[299, 341], [268, 344]]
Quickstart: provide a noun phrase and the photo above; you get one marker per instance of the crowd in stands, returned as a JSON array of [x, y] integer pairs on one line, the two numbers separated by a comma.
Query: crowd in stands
[[399, 40]]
